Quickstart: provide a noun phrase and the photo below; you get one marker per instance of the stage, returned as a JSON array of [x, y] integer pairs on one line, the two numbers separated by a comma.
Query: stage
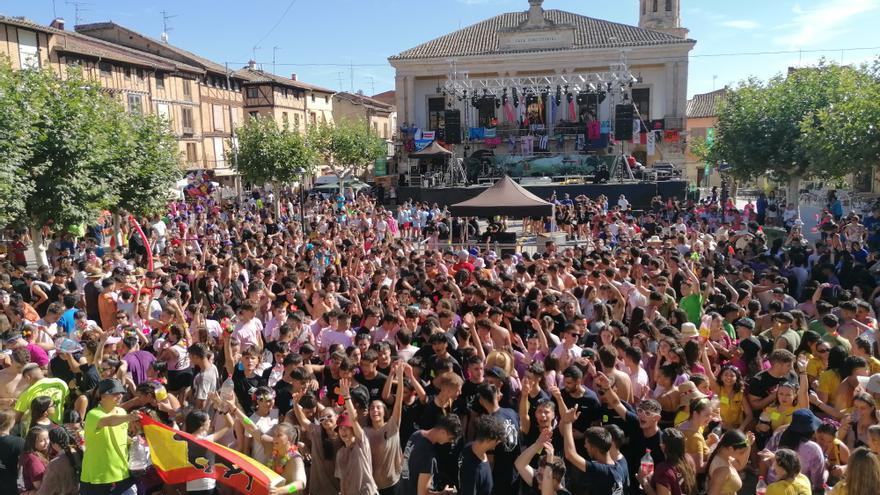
[[639, 194]]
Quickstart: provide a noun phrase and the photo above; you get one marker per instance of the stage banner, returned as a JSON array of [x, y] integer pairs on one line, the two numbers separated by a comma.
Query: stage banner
[[180, 457]]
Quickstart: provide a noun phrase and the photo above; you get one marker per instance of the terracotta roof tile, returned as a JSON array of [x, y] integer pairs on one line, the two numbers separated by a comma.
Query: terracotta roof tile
[[482, 38], [705, 105], [254, 76]]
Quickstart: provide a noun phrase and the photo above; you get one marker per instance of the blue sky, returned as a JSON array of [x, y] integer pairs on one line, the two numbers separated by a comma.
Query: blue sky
[[365, 32]]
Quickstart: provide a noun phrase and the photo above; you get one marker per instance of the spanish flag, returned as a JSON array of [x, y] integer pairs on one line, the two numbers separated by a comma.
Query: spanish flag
[[180, 457]]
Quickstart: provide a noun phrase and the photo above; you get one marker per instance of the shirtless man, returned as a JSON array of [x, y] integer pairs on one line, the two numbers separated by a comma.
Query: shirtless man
[[12, 384]]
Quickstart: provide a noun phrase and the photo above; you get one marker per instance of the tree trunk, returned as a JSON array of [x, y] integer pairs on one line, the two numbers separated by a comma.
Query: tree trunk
[[117, 230], [276, 203], [793, 195], [39, 248]]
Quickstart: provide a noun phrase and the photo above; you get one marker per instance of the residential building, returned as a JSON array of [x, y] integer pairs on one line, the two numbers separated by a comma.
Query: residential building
[[218, 91], [287, 100], [544, 55], [357, 106], [143, 83], [702, 121], [379, 116]]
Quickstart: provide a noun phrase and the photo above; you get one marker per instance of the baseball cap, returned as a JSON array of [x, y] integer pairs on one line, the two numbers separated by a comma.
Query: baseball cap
[[496, 372], [110, 386], [745, 322]]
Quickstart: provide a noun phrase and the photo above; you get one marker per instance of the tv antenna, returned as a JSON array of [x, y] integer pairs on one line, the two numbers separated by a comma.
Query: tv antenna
[[78, 9], [372, 85], [166, 26], [254, 50], [274, 49]]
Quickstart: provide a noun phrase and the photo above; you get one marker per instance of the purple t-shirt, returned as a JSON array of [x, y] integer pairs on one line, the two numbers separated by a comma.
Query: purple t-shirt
[[138, 363], [38, 355]]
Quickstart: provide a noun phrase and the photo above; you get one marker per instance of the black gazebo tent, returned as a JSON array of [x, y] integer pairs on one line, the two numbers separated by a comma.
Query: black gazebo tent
[[504, 198]]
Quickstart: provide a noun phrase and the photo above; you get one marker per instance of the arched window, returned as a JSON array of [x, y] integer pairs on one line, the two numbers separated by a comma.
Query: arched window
[[668, 5], [655, 5]]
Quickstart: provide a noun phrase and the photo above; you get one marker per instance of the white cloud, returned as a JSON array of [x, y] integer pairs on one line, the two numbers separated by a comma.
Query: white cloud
[[741, 24], [818, 24]]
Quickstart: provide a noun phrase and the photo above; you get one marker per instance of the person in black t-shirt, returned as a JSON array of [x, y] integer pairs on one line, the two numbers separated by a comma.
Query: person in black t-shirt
[[369, 376], [11, 447], [474, 471], [244, 375], [420, 462], [763, 385], [505, 480]]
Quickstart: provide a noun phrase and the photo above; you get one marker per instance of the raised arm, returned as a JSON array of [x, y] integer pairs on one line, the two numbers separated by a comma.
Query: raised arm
[[398, 398], [566, 418], [525, 421], [522, 463], [345, 390]]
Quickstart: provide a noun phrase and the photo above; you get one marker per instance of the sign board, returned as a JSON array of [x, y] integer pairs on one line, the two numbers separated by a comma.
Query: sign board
[[381, 167], [422, 143]]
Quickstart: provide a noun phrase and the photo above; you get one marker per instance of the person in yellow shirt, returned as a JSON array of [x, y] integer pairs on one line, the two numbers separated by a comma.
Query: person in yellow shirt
[[862, 474], [817, 362], [105, 462], [835, 450], [790, 481], [734, 410], [789, 398], [862, 349]]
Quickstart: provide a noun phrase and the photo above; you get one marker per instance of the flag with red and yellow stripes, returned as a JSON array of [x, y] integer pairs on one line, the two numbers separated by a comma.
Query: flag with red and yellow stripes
[[180, 457]]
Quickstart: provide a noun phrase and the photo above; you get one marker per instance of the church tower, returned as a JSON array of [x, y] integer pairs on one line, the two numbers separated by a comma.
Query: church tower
[[663, 16]]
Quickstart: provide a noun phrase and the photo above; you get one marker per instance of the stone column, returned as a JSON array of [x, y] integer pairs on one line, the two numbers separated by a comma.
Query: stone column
[[669, 103], [411, 101]]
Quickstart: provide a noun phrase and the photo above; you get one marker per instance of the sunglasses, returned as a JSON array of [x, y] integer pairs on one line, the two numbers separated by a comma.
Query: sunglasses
[[325, 419], [823, 351]]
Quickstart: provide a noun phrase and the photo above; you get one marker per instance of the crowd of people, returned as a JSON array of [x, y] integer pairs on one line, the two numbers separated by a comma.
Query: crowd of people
[[362, 350]]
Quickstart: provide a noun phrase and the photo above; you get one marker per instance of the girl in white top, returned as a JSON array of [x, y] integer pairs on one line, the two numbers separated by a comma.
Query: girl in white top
[[263, 419]]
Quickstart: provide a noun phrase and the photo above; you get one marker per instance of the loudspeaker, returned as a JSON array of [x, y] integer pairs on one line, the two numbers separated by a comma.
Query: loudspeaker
[[452, 132], [623, 122]]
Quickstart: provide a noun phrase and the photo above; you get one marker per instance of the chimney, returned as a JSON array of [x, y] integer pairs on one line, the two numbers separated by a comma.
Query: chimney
[[293, 76], [57, 23], [252, 64]]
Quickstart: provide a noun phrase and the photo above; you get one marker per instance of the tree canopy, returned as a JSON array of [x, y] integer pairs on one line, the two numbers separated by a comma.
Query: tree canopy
[[813, 122], [69, 151], [269, 153], [348, 146]]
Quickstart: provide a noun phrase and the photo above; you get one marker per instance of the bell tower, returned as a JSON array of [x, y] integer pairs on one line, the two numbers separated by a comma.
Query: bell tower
[[663, 16]]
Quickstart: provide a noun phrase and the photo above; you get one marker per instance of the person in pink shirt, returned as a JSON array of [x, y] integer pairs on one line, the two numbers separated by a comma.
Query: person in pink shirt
[[248, 329]]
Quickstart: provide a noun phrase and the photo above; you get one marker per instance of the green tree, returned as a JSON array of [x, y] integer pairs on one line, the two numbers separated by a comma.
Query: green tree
[[269, 154], [17, 139], [761, 126], [349, 147], [68, 162], [145, 165], [151, 166], [845, 136]]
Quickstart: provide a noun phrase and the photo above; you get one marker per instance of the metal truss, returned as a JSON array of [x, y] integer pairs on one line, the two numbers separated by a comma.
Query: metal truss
[[617, 77]]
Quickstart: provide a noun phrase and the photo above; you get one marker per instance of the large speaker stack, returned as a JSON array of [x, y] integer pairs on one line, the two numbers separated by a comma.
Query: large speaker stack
[[452, 134], [623, 122]]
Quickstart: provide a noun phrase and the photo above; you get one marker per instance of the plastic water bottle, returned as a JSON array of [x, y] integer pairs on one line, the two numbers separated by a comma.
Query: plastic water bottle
[[227, 390], [647, 463], [761, 488]]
